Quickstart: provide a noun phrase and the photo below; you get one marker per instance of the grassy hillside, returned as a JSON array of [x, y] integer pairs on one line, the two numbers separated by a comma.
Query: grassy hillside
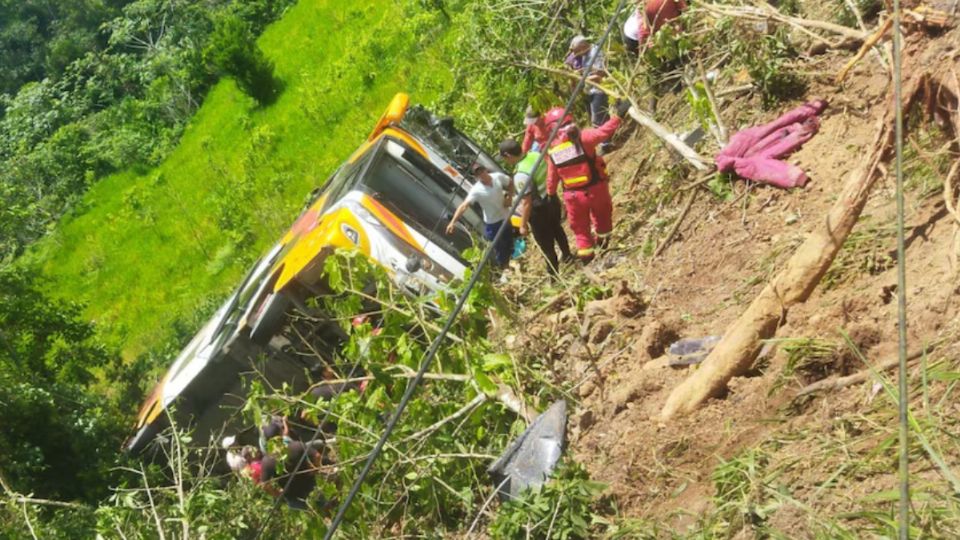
[[154, 249]]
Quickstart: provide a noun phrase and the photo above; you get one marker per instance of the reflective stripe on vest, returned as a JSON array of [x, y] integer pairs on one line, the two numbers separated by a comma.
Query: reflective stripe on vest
[[575, 182], [566, 153]]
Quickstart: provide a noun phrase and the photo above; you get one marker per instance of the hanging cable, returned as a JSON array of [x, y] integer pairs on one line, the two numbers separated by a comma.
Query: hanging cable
[[461, 301], [904, 510]]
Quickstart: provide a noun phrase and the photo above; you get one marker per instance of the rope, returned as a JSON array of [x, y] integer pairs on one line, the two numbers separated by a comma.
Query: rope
[[904, 507], [435, 345]]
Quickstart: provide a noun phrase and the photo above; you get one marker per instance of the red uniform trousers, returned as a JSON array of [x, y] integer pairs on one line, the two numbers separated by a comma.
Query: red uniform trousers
[[586, 207]]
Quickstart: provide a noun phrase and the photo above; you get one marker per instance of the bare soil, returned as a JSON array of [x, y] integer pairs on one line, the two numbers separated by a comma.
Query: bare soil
[[821, 449]]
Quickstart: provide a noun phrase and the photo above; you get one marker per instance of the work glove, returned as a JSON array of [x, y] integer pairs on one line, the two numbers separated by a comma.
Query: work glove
[[621, 107]]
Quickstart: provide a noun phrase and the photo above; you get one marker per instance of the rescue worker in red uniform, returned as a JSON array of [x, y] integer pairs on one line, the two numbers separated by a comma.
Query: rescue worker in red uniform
[[573, 161], [535, 132]]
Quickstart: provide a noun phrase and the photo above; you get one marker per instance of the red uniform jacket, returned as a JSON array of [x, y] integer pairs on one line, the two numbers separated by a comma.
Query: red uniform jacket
[[535, 132], [657, 13], [589, 139]]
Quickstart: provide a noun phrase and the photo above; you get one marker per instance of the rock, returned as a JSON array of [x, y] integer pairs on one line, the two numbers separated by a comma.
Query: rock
[[586, 389], [651, 386], [624, 303], [586, 420], [654, 339], [601, 330], [625, 394]]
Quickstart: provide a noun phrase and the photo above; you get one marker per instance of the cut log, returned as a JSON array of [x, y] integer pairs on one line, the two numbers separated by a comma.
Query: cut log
[[742, 342]]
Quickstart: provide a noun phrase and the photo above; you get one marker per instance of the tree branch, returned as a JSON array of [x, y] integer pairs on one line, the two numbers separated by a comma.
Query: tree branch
[[639, 116]]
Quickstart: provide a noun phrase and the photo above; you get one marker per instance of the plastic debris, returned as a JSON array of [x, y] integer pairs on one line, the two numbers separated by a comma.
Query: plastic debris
[[689, 351], [519, 248], [530, 459]]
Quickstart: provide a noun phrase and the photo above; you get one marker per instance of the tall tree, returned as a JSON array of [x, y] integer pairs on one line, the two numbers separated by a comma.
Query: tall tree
[[59, 436]]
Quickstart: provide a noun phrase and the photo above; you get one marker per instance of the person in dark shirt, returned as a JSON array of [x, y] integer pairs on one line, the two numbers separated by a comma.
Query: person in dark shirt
[[299, 476]]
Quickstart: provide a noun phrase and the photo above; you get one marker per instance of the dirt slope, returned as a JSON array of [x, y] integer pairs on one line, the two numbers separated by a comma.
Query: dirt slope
[[804, 462]]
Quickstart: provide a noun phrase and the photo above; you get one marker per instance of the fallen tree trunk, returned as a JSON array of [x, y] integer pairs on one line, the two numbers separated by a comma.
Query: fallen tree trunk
[[742, 342], [765, 12]]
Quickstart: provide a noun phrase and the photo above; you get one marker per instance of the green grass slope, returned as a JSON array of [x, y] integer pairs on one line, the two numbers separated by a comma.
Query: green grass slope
[[149, 251]]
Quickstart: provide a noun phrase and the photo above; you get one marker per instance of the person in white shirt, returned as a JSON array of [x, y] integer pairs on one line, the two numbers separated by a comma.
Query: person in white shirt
[[631, 33], [493, 192]]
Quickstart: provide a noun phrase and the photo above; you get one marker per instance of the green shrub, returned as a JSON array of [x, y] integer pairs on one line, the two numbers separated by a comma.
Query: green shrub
[[565, 507], [764, 56], [233, 51]]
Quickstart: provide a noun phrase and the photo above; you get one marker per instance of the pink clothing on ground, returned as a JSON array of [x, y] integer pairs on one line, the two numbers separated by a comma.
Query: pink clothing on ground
[[754, 153]]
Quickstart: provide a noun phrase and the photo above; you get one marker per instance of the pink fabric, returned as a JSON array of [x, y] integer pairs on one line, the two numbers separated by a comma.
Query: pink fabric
[[754, 153]]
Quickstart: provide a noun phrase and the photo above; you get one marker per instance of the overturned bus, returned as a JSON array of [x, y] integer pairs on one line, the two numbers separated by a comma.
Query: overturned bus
[[390, 201]]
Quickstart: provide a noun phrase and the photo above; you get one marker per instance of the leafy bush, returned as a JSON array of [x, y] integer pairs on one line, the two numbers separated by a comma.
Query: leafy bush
[[233, 50], [565, 507], [764, 56], [440, 480], [59, 432]]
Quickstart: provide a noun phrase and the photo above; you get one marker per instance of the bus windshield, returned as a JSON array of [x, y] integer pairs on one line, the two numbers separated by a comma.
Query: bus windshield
[[421, 194]]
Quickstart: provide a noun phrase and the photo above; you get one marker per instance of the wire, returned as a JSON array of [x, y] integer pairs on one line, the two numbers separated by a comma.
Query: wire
[[435, 345], [904, 510]]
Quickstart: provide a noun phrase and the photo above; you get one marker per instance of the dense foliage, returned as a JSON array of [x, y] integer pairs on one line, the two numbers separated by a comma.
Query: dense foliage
[[233, 50], [61, 431], [155, 247], [40, 38], [105, 86]]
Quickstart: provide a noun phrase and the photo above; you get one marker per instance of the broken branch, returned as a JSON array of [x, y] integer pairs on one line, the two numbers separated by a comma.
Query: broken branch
[[868, 45], [708, 89], [689, 154], [858, 377], [766, 12], [676, 225]]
